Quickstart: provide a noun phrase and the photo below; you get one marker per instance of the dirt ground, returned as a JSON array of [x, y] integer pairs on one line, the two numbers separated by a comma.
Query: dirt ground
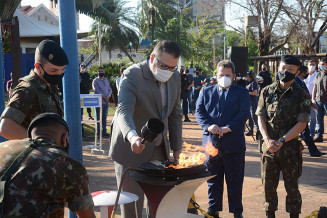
[[313, 182]]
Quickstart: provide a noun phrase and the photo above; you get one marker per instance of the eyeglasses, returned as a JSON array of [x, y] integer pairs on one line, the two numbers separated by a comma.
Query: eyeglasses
[[166, 67]]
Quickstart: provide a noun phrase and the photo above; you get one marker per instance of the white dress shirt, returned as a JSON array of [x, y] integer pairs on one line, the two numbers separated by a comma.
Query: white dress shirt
[[309, 81]]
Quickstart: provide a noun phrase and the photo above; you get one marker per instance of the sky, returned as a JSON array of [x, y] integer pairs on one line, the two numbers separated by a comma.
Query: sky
[[84, 21]]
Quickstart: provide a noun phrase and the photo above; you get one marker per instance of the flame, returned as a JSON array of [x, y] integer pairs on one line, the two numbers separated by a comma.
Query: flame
[[196, 158]]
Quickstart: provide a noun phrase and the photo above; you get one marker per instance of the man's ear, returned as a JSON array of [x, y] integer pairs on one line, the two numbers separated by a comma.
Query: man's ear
[[152, 56], [65, 139]]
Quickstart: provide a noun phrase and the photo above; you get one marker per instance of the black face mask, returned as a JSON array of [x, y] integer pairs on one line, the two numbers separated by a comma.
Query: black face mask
[[264, 69], [182, 71], [197, 73], [101, 74], [305, 75], [286, 76], [52, 79]]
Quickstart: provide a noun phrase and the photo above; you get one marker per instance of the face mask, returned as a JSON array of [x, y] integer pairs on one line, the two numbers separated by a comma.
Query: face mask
[[197, 73], [52, 79], [286, 76], [322, 67], [101, 74], [305, 76], [182, 71], [264, 69], [162, 75], [311, 68], [224, 82]]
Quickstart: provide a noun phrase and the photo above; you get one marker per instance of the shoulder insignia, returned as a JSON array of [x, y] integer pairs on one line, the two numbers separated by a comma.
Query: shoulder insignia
[[307, 102]]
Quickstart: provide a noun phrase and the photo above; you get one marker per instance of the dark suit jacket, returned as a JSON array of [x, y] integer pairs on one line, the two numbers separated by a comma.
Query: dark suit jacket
[[233, 115], [301, 83]]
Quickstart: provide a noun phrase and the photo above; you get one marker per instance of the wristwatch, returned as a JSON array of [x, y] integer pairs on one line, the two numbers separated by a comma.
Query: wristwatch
[[282, 139]]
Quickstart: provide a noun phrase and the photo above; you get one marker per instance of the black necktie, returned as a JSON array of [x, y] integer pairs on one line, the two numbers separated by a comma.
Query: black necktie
[[222, 99]]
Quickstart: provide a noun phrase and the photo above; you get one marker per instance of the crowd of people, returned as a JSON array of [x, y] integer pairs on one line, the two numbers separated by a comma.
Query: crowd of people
[[278, 111]]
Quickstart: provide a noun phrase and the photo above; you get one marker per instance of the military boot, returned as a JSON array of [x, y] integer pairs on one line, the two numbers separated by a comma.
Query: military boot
[[294, 215], [214, 214], [270, 214]]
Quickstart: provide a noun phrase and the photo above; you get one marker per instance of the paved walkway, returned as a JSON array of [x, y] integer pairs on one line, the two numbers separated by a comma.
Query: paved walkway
[[313, 182]]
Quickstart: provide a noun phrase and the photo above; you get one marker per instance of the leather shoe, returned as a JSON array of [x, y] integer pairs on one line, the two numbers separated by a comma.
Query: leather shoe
[[214, 214], [294, 215], [250, 133], [318, 140], [105, 135], [316, 154], [238, 215]]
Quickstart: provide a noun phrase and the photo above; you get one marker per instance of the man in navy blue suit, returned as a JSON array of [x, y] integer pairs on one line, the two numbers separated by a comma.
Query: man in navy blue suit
[[222, 111]]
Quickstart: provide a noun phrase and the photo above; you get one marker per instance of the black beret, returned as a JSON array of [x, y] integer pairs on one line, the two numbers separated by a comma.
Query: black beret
[[46, 116], [290, 59], [52, 52]]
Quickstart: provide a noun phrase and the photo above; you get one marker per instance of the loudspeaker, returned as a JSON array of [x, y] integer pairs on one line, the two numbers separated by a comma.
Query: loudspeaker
[[239, 56]]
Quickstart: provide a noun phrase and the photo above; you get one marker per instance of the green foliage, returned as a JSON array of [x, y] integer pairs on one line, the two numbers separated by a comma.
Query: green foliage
[[6, 43], [119, 31], [252, 51]]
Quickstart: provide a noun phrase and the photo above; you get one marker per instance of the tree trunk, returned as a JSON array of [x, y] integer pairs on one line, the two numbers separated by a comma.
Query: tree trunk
[[127, 54]]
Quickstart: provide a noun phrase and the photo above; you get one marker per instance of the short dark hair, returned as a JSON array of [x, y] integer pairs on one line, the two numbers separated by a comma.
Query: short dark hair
[[169, 47], [324, 60], [122, 69], [303, 69], [227, 64], [101, 68], [313, 61]]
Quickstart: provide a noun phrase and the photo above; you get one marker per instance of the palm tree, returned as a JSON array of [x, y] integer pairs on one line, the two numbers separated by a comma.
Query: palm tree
[[155, 13], [117, 30]]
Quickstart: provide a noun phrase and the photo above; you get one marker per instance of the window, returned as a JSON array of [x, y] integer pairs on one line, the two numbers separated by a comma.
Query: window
[[30, 50]]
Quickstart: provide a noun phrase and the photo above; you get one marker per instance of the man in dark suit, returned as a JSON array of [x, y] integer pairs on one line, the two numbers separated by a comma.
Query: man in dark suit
[[150, 89], [305, 134], [222, 111]]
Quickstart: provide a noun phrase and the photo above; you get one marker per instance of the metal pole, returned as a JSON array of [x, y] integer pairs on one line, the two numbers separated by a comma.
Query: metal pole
[[68, 40], [225, 41], [2, 74], [99, 33]]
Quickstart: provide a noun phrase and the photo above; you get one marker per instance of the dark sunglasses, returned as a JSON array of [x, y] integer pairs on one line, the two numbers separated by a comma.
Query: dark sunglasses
[[166, 67]]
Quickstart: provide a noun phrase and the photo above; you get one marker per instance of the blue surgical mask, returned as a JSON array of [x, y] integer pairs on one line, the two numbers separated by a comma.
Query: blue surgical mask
[[322, 67]]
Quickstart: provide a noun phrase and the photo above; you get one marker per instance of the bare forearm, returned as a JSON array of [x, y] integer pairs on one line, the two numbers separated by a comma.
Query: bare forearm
[[295, 131], [263, 127]]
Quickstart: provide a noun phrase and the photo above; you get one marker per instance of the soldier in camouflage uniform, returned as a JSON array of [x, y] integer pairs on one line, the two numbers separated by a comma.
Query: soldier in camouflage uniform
[[36, 93], [283, 112], [47, 177]]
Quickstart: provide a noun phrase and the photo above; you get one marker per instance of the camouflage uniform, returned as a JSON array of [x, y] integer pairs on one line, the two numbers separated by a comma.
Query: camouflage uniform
[[30, 98], [46, 180], [282, 110]]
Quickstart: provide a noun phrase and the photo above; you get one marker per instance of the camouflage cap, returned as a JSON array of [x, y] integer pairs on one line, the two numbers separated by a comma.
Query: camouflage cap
[[46, 116], [290, 59], [52, 52]]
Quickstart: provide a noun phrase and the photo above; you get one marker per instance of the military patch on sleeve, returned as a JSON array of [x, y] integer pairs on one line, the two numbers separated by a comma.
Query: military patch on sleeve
[[307, 102]]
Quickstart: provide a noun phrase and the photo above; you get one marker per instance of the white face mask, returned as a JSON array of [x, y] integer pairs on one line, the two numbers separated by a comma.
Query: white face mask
[[224, 82], [162, 75], [311, 68]]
